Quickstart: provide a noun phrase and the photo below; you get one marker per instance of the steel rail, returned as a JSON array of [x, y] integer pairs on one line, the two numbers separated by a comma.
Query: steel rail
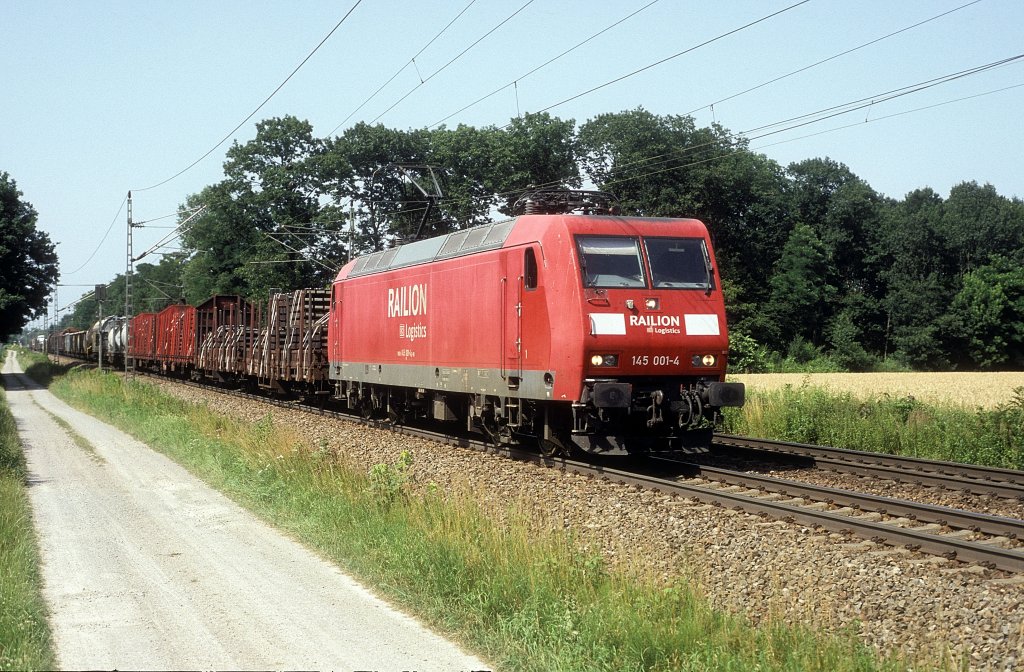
[[975, 479], [927, 513], [952, 548]]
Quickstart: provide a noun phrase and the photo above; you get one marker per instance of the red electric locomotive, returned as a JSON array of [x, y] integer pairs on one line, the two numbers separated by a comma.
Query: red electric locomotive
[[591, 330]]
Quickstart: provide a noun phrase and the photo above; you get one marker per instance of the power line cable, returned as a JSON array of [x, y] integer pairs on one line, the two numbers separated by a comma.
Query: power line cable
[[833, 111], [460, 55], [896, 114], [412, 61], [738, 137], [259, 107], [177, 233], [669, 58], [831, 58], [104, 238], [516, 81]]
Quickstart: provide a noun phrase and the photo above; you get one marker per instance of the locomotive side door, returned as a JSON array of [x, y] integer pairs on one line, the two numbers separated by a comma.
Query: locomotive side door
[[512, 318]]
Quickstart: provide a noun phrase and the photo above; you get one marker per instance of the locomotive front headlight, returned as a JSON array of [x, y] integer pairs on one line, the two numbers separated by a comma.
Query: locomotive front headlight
[[704, 360], [651, 304], [604, 360]]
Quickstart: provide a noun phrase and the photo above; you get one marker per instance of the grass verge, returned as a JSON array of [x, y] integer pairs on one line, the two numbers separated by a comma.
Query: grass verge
[[39, 367], [900, 426], [25, 640], [523, 600]]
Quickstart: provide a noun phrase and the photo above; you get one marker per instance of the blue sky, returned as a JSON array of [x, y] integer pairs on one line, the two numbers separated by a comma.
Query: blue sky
[[103, 97]]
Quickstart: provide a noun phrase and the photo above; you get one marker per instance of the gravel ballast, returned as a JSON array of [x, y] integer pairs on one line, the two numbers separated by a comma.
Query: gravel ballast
[[898, 601]]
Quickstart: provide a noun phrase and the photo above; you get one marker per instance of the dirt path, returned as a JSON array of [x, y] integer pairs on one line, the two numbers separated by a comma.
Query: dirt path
[[146, 567]]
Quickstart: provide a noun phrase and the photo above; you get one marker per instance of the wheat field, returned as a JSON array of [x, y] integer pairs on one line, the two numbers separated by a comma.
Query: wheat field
[[986, 390]]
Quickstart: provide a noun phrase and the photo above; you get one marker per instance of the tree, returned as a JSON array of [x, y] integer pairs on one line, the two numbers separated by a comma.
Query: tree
[[533, 150], [802, 291], [28, 261], [263, 227], [844, 212], [916, 272], [386, 207], [989, 312]]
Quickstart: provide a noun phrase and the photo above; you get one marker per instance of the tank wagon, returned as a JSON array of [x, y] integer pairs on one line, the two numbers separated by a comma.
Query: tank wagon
[[593, 330]]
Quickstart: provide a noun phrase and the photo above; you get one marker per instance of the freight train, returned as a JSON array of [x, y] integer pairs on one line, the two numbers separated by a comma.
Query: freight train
[[570, 327]]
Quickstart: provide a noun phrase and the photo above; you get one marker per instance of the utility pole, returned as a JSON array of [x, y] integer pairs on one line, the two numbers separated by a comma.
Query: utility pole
[[100, 293], [129, 363], [56, 319]]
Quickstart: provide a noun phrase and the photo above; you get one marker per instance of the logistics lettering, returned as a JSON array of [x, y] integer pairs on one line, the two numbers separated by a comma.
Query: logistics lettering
[[412, 332], [408, 301]]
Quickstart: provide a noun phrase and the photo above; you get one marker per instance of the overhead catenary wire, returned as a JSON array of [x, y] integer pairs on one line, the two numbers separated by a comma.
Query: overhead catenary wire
[[258, 107], [832, 57], [457, 57], [798, 121], [829, 112], [104, 238], [306, 257], [669, 58], [873, 102], [895, 114], [179, 231], [515, 82], [411, 61], [740, 137]]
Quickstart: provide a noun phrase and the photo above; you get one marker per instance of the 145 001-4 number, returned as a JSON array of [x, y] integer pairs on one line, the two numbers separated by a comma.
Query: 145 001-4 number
[[655, 360]]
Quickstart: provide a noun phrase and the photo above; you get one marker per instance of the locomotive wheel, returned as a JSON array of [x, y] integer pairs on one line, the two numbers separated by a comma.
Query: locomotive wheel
[[396, 415], [494, 432], [490, 425], [552, 447], [366, 409]]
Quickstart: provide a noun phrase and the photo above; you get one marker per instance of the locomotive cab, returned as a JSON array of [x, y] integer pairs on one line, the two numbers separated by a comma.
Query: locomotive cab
[[656, 346]]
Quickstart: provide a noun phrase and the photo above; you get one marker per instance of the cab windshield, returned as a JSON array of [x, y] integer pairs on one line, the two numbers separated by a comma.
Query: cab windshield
[[615, 261], [681, 263], [611, 261]]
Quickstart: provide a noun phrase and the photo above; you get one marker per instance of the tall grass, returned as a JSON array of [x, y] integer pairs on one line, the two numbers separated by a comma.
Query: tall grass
[[523, 599], [25, 641], [900, 426]]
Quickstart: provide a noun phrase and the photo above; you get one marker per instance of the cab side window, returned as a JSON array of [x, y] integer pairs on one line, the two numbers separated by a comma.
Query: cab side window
[[530, 272]]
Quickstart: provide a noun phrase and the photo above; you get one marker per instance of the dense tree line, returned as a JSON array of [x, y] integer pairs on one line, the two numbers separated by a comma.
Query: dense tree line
[[819, 268], [28, 261]]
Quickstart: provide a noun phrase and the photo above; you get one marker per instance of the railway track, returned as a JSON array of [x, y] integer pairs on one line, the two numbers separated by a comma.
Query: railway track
[[975, 479], [983, 539]]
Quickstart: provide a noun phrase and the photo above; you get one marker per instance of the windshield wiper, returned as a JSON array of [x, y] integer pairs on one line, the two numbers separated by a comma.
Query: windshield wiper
[[707, 269]]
